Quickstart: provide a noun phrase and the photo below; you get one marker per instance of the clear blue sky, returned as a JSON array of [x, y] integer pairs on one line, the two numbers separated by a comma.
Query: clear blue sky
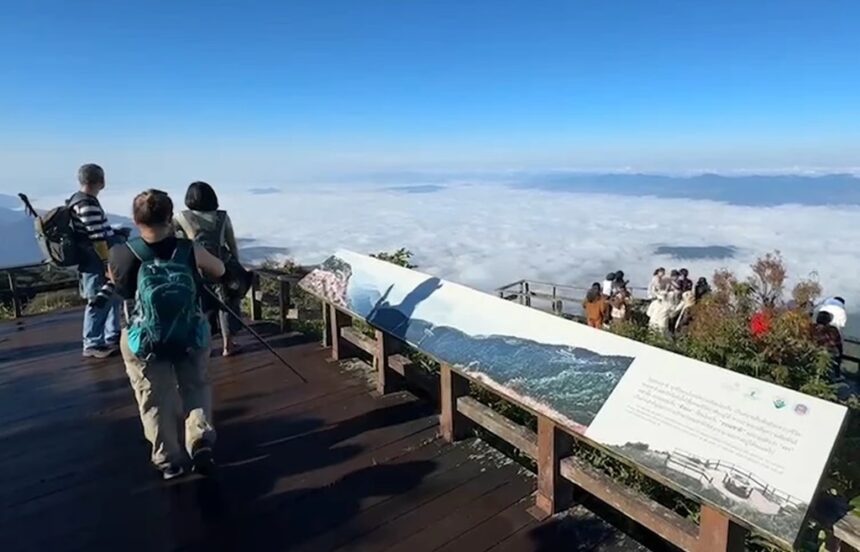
[[367, 84]]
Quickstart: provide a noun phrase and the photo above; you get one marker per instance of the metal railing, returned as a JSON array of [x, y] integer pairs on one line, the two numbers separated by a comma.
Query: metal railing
[[558, 298]]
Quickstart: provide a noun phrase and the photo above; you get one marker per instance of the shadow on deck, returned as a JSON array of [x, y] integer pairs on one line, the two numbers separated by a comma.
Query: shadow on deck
[[318, 466]]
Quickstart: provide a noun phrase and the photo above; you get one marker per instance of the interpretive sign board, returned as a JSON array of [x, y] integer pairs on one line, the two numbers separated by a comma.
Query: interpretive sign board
[[754, 449]]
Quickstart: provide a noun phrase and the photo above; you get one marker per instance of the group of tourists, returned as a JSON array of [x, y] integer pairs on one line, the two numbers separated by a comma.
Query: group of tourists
[[609, 302], [171, 280], [672, 299]]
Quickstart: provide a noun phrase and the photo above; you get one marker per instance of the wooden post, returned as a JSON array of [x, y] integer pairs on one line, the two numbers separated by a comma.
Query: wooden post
[[385, 377], [284, 303], [452, 425], [528, 297], [717, 533], [339, 346], [326, 332], [256, 305], [13, 290], [554, 492]]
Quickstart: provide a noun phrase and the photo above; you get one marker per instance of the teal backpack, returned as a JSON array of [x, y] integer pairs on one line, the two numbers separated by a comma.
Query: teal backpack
[[167, 320]]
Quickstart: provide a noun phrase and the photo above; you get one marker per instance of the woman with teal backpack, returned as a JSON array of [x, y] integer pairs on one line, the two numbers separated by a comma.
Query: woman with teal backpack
[[167, 342]]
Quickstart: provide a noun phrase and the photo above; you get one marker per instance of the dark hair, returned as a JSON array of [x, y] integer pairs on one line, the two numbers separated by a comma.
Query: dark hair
[[595, 285], [702, 280], [619, 275], [593, 294], [824, 318], [674, 273], [659, 270], [152, 208], [90, 175], [610, 276], [684, 272], [201, 197]]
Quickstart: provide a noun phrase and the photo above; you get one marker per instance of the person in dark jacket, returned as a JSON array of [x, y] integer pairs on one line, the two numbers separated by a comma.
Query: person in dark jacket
[[828, 337], [702, 289]]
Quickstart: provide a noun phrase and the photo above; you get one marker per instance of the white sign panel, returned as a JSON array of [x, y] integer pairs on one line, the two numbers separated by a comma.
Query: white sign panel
[[755, 449]]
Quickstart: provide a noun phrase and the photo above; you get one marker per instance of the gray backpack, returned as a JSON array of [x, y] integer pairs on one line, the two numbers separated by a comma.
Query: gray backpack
[[209, 237], [55, 233]]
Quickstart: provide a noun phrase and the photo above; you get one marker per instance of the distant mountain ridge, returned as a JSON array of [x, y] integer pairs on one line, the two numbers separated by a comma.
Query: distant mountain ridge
[[18, 246], [751, 190]]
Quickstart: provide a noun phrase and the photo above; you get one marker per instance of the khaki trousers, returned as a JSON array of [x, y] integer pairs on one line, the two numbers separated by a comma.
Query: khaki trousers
[[166, 391]]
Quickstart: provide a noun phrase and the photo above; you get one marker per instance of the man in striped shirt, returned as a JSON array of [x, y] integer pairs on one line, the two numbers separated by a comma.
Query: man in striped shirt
[[101, 320]]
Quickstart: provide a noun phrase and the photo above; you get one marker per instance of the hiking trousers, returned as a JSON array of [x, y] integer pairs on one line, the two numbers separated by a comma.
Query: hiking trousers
[[168, 391]]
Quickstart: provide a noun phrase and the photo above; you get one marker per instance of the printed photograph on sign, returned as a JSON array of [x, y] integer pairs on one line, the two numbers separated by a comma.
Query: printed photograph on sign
[[535, 356], [754, 449]]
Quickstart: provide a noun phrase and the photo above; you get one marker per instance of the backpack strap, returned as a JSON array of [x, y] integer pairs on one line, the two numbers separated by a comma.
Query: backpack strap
[[140, 249], [183, 251], [77, 197], [221, 226]]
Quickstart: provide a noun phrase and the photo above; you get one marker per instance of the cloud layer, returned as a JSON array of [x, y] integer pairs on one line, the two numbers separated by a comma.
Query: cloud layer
[[486, 235]]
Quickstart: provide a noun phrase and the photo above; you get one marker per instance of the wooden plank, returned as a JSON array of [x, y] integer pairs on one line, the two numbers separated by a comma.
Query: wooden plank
[[326, 333], [718, 533], [847, 532], [338, 320], [452, 424], [505, 490], [415, 376], [283, 304], [656, 517], [554, 492], [387, 380], [358, 339], [256, 294], [399, 363], [388, 521], [494, 530], [520, 436]]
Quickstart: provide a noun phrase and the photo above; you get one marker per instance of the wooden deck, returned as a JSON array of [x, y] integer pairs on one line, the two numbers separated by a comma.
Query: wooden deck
[[319, 466]]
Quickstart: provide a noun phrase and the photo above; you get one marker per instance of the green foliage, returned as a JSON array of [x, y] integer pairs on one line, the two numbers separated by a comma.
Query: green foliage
[[401, 257], [52, 301]]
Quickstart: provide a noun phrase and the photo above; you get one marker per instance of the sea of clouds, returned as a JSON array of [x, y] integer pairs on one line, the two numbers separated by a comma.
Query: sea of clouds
[[491, 233], [487, 235]]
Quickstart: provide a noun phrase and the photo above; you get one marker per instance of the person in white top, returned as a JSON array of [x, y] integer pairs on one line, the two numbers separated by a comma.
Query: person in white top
[[608, 283], [656, 282], [836, 307]]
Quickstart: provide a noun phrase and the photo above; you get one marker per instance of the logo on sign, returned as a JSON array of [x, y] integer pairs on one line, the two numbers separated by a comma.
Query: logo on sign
[[801, 409], [779, 403]]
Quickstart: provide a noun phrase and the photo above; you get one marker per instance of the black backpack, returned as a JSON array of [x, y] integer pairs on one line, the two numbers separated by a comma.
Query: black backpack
[[55, 233]]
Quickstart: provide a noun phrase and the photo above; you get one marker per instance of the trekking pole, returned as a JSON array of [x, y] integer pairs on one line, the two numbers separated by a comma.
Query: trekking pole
[[253, 332]]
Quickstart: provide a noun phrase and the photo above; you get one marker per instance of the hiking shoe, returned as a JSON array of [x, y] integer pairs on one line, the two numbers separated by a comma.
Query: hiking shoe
[[202, 460], [172, 472], [99, 352]]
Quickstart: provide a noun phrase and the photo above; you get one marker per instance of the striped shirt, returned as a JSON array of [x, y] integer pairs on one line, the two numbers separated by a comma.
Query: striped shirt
[[89, 218]]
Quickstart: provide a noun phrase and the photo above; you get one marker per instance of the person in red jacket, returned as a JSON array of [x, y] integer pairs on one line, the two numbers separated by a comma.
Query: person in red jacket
[[760, 323]]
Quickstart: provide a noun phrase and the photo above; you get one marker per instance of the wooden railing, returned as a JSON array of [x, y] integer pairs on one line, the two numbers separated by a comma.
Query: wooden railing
[[559, 472], [16, 294]]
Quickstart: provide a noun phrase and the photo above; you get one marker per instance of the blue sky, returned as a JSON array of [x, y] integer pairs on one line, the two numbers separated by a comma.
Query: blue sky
[[305, 87]]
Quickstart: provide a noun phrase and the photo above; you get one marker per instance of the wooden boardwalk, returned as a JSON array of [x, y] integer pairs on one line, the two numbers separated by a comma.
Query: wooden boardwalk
[[319, 466]]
